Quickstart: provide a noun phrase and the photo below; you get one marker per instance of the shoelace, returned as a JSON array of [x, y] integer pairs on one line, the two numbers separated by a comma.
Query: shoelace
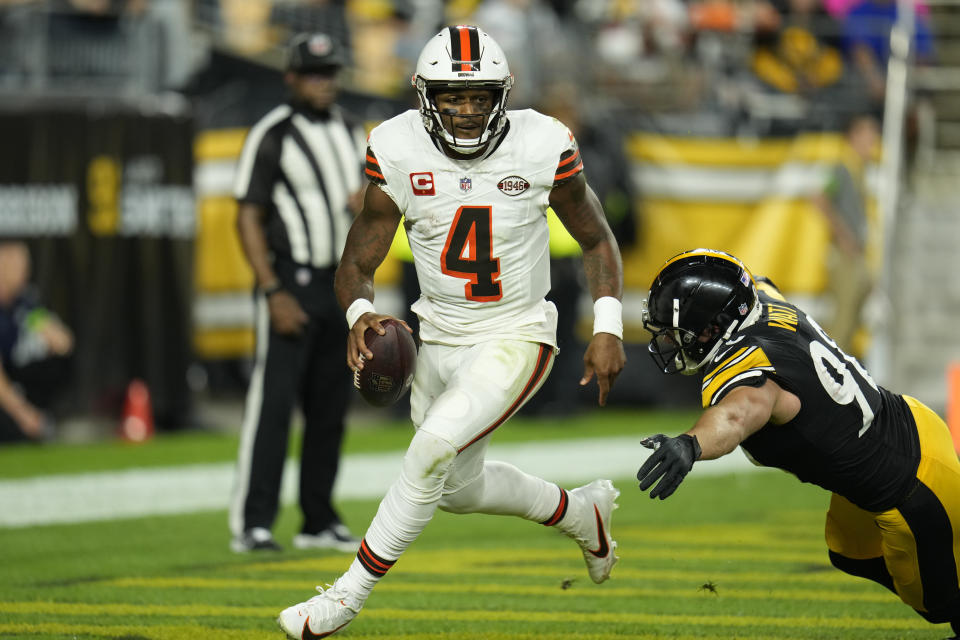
[[340, 596]]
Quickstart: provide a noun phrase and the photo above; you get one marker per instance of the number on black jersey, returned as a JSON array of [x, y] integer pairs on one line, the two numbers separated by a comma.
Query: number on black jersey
[[843, 378]]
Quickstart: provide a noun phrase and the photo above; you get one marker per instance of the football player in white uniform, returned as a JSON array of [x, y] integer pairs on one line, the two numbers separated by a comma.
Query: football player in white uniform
[[472, 183]]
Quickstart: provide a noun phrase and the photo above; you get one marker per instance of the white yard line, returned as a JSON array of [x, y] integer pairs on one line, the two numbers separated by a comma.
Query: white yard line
[[169, 490]]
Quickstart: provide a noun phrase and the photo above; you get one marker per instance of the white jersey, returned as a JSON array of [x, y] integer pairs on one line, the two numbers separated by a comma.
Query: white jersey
[[478, 228]]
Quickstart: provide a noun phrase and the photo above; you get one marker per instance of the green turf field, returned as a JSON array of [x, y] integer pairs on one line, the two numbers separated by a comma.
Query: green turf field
[[737, 556]]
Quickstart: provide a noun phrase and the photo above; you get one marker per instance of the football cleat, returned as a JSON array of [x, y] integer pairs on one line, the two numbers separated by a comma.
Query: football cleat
[[336, 537], [321, 615], [590, 526], [255, 539]]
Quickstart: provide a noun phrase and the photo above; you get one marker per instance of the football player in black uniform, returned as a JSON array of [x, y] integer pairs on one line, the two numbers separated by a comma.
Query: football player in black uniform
[[777, 385]]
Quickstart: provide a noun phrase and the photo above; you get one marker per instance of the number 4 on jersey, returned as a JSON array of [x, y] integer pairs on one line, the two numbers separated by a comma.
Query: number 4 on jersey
[[468, 254]]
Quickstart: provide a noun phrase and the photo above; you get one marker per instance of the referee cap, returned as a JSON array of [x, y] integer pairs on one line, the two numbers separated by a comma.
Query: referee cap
[[314, 52]]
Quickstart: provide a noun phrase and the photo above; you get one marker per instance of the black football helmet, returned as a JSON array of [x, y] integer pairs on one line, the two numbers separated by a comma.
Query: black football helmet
[[697, 301]]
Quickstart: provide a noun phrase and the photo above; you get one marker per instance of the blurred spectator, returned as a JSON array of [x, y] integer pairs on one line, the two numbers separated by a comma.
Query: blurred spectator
[[867, 38], [839, 8], [538, 46], [326, 16], [423, 19], [178, 53], [376, 28], [606, 167], [246, 25], [727, 15], [34, 346], [632, 38], [844, 203], [798, 57], [604, 156]]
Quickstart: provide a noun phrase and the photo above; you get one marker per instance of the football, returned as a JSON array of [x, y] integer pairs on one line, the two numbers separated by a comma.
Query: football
[[388, 375]]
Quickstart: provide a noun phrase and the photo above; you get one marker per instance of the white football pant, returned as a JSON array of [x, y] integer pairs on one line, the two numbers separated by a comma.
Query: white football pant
[[460, 395]]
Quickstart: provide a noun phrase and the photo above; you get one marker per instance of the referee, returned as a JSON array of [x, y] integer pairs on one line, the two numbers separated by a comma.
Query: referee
[[298, 186]]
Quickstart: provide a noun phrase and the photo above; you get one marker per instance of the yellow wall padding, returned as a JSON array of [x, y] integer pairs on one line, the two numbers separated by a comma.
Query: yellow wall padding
[[220, 262], [214, 344], [785, 240]]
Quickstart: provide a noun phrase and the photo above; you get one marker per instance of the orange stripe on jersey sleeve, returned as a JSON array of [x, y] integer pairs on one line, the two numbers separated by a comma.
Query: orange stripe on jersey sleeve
[[570, 165], [567, 174], [372, 168]]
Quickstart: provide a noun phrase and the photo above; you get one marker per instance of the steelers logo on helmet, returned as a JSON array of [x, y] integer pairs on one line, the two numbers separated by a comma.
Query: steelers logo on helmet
[[696, 302], [459, 58]]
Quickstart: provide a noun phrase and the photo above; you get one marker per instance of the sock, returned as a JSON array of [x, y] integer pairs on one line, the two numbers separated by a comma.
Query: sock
[[403, 513]]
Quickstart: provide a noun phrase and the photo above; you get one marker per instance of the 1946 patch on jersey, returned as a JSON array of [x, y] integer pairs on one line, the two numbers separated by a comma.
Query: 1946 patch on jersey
[[513, 185]]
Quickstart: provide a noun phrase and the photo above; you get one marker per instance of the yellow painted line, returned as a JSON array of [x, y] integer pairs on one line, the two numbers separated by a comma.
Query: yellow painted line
[[125, 609], [476, 615], [746, 537], [183, 632], [210, 633], [697, 575], [576, 590], [522, 561]]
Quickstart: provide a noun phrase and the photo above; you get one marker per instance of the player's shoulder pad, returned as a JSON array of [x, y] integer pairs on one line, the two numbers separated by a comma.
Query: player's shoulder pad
[[767, 286], [547, 130], [741, 361]]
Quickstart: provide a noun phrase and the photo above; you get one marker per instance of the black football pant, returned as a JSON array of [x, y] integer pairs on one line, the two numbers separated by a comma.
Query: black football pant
[[310, 371]]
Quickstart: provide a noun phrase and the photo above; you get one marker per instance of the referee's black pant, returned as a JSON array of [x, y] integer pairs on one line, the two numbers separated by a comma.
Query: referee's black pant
[[309, 370]]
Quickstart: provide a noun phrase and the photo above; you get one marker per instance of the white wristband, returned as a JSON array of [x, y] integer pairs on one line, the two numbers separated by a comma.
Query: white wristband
[[356, 309], [608, 316]]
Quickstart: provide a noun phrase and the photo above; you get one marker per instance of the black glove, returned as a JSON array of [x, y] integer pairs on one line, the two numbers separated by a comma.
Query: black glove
[[672, 459]]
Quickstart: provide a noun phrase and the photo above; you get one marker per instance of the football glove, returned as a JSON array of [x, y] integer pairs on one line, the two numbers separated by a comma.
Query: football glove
[[671, 461]]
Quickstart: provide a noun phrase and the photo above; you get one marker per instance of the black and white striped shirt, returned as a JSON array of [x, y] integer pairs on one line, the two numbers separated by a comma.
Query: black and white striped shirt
[[302, 167]]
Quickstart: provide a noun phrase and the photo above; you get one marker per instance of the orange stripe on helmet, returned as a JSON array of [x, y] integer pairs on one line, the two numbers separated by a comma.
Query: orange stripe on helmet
[[465, 52]]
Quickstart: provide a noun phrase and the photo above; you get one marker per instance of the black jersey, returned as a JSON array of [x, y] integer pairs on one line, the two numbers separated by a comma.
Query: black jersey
[[851, 436]]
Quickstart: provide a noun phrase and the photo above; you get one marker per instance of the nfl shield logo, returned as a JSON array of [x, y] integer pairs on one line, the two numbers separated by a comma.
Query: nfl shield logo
[[466, 184]]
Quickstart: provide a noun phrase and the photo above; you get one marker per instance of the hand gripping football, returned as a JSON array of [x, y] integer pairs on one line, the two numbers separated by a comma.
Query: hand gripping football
[[387, 376]]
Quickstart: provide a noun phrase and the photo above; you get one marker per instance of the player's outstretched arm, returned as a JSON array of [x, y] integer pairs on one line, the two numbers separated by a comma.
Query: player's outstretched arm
[[718, 431], [367, 245], [580, 211]]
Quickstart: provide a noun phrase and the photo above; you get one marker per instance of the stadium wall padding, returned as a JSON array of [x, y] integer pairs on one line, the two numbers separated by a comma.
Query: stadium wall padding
[[103, 193]]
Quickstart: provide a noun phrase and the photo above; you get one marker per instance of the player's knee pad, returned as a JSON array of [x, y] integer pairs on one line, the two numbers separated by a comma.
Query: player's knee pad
[[426, 464]]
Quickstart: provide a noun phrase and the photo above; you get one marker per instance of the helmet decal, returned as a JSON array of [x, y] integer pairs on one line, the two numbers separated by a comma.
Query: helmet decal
[[464, 48]]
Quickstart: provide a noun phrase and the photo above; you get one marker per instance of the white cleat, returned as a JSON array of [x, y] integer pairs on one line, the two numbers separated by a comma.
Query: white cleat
[[321, 615], [590, 526]]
